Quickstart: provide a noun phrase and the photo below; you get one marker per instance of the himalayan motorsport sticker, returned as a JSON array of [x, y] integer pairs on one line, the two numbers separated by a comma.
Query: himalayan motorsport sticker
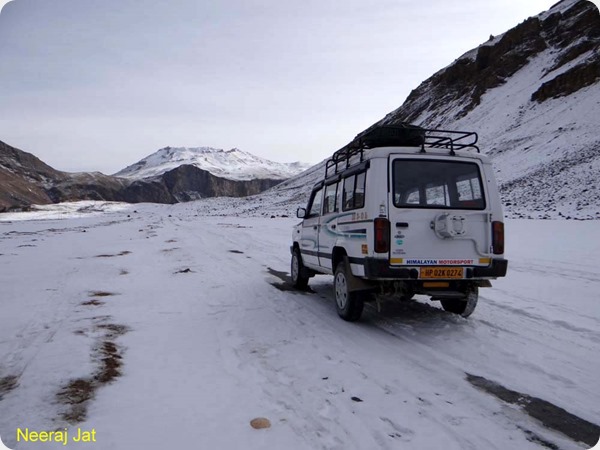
[[439, 262]]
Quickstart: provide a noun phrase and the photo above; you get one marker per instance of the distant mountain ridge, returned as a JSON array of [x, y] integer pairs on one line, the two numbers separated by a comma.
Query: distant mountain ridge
[[26, 180], [233, 164]]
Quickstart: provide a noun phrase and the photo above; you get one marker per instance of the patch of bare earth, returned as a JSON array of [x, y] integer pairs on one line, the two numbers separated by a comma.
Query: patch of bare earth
[[101, 294], [113, 330], [550, 415], [7, 384], [77, 394], [108, 255], [93, 302], [111, 362]]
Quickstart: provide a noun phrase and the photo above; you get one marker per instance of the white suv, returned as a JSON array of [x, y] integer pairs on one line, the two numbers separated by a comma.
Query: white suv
[[403, 210]]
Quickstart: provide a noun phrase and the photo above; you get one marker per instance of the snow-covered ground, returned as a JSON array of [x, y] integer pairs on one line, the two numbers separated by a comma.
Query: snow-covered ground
[[180, 328]]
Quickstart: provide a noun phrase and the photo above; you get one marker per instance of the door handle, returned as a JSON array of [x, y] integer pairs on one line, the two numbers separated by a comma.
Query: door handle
[[401, 224], [334, 226], [315, 227]]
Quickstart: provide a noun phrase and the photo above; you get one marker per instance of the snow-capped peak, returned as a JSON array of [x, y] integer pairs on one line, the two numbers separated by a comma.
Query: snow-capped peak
[[233, 164]]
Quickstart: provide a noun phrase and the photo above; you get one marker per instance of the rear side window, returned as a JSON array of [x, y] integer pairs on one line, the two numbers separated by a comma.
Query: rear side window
[[315, 204], [354, 191], [437, 184], [330, 201]]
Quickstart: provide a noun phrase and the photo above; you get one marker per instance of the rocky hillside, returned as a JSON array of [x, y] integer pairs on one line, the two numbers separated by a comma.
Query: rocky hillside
[[533, 95], [25, 180]]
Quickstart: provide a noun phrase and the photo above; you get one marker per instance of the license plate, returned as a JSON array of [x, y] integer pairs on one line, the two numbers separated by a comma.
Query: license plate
[[442, 272]]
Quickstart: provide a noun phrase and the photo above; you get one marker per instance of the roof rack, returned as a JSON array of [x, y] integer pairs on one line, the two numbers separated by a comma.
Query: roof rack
[[399, 135]]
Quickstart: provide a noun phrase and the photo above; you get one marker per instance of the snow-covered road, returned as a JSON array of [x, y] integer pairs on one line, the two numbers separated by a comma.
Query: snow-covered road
[[157, 327]]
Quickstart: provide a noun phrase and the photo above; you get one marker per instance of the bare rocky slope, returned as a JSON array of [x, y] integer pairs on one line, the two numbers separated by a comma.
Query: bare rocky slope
[[23, 178]]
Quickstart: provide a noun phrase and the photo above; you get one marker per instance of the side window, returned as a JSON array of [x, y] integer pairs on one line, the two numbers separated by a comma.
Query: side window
[[359, 191], [315, 207], [348, 197], [412, 197], [468, 189], [330, 201], [354, 191], [437, 194]]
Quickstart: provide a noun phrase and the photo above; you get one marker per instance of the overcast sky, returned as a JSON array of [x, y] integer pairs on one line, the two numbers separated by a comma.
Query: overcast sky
[[98, 85]]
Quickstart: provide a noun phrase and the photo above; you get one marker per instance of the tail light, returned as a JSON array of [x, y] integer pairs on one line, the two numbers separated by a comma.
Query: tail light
[[382, 235], [498, 238]]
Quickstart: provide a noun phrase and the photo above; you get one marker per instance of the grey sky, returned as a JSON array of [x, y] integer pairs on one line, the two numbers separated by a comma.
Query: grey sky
[[98, 85]]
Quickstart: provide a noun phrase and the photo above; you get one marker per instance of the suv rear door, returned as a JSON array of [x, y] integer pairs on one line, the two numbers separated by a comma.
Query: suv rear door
[[438, 214]]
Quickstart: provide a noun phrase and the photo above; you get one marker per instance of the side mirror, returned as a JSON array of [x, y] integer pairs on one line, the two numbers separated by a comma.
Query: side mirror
[[301, 213]]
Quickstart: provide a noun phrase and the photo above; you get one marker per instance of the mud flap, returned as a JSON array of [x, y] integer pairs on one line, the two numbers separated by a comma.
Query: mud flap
[[355, 283]]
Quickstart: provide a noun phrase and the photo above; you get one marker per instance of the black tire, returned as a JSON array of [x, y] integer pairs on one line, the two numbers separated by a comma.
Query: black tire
[[464, 306], [298, 271], [349, 304]]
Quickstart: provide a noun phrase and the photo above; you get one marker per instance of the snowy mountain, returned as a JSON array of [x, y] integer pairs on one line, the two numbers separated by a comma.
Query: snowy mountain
[[25, 180], [232, 164], [533, 96], [281, 200]]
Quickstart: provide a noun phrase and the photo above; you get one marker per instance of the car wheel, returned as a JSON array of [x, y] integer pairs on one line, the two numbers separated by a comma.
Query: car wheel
[[464, 306], [349, 305], [298, 271]]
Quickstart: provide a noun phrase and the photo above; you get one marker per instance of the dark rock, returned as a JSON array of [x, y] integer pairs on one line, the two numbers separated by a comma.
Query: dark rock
[[571, 81], [188, 182]]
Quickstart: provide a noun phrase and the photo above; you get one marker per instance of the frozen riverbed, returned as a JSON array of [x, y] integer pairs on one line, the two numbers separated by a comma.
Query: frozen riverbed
[[158, 327]]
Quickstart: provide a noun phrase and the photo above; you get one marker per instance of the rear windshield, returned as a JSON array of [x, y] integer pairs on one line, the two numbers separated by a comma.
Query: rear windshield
[[437, 184]]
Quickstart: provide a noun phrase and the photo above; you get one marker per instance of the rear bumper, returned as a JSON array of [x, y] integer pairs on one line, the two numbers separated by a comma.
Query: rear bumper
[[380, 269], [497, 269]]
